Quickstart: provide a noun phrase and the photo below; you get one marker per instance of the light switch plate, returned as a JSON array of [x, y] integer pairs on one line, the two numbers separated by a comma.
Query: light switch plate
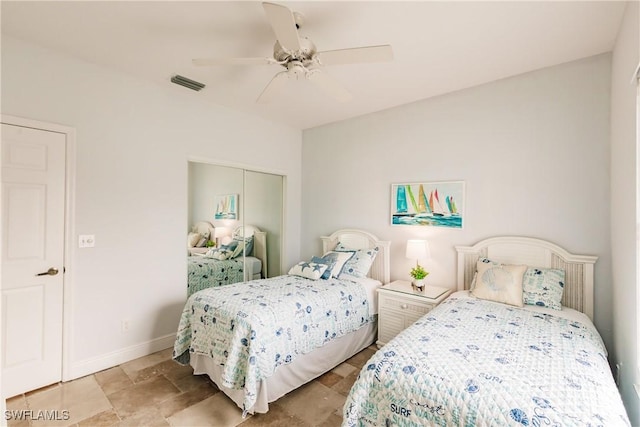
[[86, 240]]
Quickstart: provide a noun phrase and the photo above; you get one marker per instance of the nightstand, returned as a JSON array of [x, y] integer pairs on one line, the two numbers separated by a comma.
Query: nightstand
[[198, 250], [399, 305]]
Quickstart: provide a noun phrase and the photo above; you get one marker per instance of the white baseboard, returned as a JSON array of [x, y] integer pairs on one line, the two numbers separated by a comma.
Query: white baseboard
[[109, 360]]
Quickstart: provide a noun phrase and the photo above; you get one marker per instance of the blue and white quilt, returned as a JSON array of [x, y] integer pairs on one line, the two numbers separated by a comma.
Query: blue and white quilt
[[206, 272], [251, 328], [478, 363]]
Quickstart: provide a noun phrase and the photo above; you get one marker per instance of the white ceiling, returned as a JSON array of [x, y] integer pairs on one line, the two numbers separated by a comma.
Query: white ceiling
[[439, 46]]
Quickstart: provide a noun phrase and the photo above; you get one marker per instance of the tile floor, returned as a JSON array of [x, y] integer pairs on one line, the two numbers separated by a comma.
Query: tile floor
[[156, 391]]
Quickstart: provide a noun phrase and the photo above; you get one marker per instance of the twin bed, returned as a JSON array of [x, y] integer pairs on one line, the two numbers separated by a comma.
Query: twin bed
[[472, 361], [469, 362], [261, 339]]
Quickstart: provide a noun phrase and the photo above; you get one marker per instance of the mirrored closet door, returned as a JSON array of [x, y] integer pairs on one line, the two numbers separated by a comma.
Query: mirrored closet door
[[235, 225], [263, 207]]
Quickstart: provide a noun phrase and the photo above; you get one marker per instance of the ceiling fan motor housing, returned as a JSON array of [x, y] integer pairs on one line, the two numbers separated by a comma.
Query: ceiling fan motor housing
[[295, 70], [304, 55]]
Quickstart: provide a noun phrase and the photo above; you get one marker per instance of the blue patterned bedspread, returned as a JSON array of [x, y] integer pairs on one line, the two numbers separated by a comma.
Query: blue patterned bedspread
[[477, 363], [251, 328], [206, 272]]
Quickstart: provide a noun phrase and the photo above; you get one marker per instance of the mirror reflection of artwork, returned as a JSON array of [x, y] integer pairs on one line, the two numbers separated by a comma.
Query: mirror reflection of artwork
[[226, 207]]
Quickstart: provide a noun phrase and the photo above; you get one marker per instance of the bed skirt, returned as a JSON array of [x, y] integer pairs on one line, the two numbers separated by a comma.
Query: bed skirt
[[302, 370]]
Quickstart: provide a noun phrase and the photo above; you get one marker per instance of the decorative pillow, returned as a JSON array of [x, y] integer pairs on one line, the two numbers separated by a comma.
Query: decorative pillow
[[360, 263], [329, 261], [308, 269], [475, 275], [500, 283], [339, 259], [231, 246], [543, 287], [222, 252], [193, 239], [241, 244]]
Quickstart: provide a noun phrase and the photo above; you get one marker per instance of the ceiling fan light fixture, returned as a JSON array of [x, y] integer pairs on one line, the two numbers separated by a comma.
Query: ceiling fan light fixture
[[188, 83], [295, 70], [299, 57]]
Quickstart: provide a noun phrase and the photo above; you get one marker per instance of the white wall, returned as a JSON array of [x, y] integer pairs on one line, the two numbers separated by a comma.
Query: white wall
[[624, 191], [133, 141], [205, 182], [533, 151]]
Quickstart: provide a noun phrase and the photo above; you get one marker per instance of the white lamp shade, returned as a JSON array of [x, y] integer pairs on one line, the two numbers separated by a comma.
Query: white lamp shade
[[221, 232], [418, 250]]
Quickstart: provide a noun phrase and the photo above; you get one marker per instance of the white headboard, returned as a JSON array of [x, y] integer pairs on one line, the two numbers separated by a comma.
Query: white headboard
[[579, 274], [358, 239]]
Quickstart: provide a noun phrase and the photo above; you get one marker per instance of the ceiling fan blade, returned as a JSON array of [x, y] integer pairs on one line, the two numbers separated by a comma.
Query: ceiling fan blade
[[284, 25], [329, 85], [234, 61], [355, 55], [275, 85]]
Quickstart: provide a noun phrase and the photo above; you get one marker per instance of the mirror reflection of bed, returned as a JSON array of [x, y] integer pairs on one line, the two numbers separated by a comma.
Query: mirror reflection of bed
[[259, 219], [218, 261]]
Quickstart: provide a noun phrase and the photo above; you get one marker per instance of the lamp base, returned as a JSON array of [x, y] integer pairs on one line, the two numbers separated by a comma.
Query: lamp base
[[418, 285]]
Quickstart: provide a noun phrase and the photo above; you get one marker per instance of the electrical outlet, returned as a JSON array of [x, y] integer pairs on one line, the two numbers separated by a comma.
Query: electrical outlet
[[125, 325], [86, 240]]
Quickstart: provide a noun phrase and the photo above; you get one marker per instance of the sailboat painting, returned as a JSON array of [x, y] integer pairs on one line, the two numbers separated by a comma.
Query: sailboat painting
[[226, 207], [438, 204]]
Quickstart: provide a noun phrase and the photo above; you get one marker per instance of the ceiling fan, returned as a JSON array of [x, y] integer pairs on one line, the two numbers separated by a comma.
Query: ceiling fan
[[299, 57]]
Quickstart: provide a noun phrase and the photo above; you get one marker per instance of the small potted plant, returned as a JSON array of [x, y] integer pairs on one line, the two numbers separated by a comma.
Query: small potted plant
[[418, 273]]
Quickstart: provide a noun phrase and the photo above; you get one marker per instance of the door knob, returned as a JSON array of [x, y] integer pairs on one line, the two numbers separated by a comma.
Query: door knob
[[50, 272]]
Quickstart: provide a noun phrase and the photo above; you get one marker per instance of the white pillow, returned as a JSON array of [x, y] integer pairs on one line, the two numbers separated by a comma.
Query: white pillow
[[360, 262], [193, 239], [475, 275], [309, 270], [499, 283]]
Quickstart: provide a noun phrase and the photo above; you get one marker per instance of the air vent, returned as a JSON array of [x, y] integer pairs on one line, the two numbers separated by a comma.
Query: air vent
[[183, 81]]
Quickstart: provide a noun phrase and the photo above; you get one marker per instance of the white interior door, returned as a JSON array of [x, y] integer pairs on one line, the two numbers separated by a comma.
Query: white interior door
[[33, 195]]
